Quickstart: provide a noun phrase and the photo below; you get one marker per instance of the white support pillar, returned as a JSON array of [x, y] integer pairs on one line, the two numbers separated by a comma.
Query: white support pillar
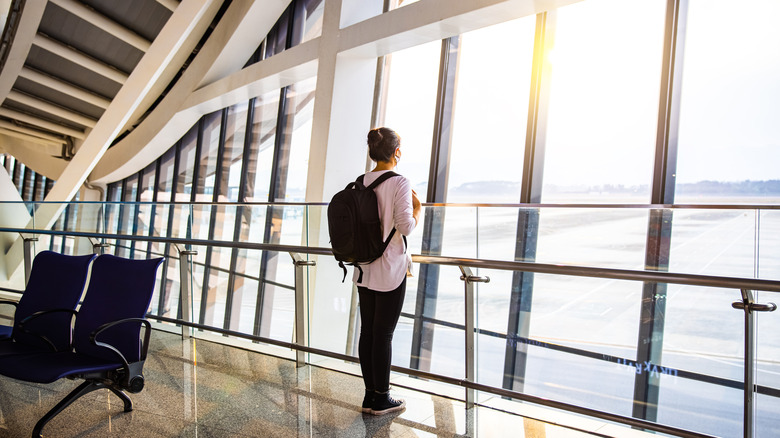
[[342, 117]]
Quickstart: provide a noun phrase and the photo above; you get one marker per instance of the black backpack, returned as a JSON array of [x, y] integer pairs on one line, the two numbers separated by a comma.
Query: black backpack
[[354, 226]]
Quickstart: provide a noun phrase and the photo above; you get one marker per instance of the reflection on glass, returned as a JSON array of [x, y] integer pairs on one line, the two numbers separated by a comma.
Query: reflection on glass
[[295, 160], [728, 150], [603, 107], [313, 24]]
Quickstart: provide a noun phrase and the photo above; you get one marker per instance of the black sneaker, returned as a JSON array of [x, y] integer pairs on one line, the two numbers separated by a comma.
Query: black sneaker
[[368, 400], [384, 404]]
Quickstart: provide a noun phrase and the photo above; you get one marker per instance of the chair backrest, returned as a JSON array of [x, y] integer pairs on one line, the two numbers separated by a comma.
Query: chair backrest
[[56, 282], [119, 288]]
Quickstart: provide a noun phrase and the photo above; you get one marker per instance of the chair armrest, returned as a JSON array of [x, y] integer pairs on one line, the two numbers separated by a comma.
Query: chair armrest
[[40, 313], [145, 343]]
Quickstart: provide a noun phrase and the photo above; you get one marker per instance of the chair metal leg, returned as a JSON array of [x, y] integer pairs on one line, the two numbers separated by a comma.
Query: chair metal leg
[[80, 390], [85, 388], [125, 398]]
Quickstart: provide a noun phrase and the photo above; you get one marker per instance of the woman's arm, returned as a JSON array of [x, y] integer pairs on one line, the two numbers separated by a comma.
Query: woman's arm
[[405, 213]]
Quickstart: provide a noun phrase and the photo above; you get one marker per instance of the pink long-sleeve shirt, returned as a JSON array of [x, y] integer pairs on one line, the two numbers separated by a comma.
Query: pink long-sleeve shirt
[[394, 197]]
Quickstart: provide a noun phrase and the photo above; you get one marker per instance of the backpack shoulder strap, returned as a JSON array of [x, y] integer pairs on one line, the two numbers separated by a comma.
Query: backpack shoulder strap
[[358, 183], [380, 179]]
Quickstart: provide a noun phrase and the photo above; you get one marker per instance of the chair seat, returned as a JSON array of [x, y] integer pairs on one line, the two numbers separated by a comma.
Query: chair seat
[[5, 331], [50, 367], [11, 348]]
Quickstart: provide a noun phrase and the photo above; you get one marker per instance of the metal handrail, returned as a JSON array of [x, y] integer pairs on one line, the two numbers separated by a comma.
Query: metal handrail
[[535, 267], [427, 204]]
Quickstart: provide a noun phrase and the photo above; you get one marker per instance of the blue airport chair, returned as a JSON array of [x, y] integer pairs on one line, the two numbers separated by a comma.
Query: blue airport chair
[[43, 315], [107, 350]]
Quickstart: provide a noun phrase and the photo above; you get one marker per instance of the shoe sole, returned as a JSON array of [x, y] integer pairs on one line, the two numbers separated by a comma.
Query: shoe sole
[[400, 407]]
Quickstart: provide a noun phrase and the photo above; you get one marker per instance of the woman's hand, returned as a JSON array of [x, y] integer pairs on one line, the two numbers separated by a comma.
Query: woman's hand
[[416, 207]]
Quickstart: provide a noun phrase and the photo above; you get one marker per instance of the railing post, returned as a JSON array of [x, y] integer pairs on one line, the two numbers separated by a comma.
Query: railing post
[[749, 306], [28, 256], [469, 279], [97, 247], [300, 308], [185, 272]]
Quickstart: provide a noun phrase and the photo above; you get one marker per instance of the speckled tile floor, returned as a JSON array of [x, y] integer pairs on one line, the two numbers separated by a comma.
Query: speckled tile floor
[[232, 392]]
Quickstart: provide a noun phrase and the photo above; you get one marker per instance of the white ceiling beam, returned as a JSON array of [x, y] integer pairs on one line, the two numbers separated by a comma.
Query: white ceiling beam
[[167, 123], [29, 138], [45, 124], [101, 21], [79, 58], [64, 87], [432, 20], [51, 108], [23, 40], [27, 132]]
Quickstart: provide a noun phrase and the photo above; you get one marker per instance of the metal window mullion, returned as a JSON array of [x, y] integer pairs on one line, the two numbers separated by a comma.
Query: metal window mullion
[[521, 292], [218, 172], [240, 210], [660, 221], [169, 225], [665, 168], [433, 221], [134, 219], [193, 197], [277, 190], [153, 207]]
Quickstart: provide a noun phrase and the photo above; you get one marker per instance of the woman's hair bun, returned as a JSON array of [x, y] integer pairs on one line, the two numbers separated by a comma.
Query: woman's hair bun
[[374, 136]]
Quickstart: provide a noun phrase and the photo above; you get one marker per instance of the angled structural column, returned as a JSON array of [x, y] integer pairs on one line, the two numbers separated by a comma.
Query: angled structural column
[[521, 295], [658, 249]]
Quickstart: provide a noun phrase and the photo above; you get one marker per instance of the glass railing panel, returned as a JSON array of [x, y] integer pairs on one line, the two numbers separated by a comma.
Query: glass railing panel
[[702, 337], [201, 220], [497, 231], [245, 286], [166, 300], [330, 304], [278, 297], [294, 225], [600, 237], [713, 242], [702, 407], [451, 231], [569, 318], [768, 248], [145, 214], [767, 366]]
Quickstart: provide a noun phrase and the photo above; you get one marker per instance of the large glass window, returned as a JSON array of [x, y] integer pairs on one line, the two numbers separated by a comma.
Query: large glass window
[[603, 107], [260, 159], [300, 98], [313, 25], [411, 107], [491, 108], [728, 147]]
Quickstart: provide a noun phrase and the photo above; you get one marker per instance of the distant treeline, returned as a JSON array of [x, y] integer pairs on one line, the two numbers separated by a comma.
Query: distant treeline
[[747, 188], [755, 188]]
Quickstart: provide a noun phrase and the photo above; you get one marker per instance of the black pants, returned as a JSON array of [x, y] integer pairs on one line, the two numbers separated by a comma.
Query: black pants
[[379, 312]]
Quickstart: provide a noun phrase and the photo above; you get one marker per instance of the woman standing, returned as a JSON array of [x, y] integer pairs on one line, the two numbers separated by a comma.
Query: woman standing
[[383, 286]]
